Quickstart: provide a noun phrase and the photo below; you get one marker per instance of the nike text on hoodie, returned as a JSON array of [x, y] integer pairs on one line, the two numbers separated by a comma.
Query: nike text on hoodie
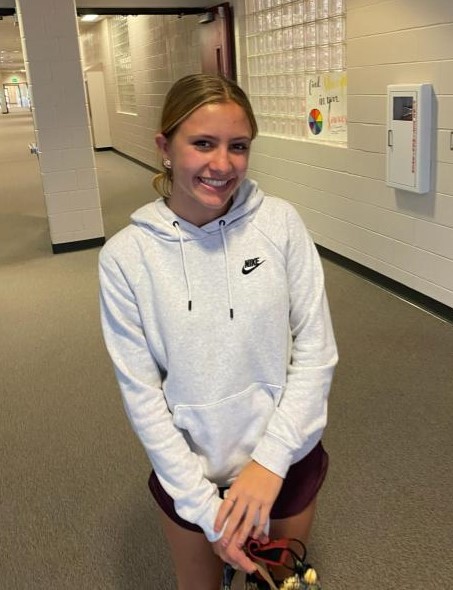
[[221, 341]]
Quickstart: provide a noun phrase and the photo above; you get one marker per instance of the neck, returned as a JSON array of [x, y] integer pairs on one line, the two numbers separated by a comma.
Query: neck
[[197, 216]]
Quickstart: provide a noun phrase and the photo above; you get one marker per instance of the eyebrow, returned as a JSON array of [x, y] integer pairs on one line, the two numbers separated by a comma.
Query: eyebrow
[[214, 137]]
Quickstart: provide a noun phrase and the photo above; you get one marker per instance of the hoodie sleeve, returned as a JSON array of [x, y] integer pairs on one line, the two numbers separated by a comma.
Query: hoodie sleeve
[[177, 467], [297, 424]]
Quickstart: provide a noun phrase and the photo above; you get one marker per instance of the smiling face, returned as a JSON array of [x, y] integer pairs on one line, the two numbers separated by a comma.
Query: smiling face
[[209, 155]]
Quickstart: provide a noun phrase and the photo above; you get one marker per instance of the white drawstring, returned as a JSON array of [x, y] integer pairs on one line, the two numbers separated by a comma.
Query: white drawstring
[[225, 250], [184, 264], [186, 271]]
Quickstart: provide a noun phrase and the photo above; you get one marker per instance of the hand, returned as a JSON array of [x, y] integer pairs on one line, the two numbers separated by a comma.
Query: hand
[[234, 555], [247, 508]]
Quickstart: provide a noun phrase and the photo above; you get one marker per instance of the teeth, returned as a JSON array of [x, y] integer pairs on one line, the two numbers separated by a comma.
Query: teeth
[[214, 182]]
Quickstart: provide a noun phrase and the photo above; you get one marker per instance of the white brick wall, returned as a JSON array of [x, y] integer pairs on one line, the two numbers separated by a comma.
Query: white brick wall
[[341, 193], [163, 48]]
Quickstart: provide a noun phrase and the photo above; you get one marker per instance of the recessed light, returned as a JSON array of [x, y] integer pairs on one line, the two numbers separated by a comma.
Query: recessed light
[[90, 18]]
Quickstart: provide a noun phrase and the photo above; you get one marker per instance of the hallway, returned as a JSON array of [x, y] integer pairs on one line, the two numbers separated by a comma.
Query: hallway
[[74, 508], [23, 222]]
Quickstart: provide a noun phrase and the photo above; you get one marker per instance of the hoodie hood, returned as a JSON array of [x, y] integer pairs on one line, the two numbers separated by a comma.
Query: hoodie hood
[[160, 219]]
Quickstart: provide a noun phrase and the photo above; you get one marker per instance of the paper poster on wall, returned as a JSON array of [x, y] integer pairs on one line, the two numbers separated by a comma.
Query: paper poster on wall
[[326, 107]]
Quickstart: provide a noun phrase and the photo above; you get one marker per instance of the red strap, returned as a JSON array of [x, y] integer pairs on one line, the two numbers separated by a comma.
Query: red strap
[[273, 553]]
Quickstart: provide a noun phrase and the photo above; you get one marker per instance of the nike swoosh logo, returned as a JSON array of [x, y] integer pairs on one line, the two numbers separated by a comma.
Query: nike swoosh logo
[[246, 271]]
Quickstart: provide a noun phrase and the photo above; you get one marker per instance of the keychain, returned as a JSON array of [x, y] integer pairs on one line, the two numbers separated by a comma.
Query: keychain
[[276, 553]]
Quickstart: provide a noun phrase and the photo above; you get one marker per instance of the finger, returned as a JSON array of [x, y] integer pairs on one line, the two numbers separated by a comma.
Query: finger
[[246, 565], [223, 513], [233, 524], [258, 532], [260, 527], [248, 524], [239, 560]]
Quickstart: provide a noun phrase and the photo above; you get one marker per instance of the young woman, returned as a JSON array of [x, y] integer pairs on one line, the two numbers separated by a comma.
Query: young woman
[[215, 316]]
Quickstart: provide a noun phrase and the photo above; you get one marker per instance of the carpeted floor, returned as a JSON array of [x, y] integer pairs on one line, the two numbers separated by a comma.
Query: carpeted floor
[[74, 508]]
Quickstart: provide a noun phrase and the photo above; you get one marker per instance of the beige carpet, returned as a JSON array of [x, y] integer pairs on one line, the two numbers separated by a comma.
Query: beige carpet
[[74, 507]]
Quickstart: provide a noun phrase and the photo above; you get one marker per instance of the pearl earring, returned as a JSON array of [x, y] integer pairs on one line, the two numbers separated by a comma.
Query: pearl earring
[[167, 163]]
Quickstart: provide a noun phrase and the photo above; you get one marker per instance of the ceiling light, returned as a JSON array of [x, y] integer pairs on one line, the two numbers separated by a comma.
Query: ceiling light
[[90, 18]]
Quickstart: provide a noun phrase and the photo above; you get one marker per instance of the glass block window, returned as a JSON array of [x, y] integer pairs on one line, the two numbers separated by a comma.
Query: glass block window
[[290, 43], [122, 63]]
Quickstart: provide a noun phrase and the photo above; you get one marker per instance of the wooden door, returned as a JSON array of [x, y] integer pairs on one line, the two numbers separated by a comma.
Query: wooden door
[[217, 41]]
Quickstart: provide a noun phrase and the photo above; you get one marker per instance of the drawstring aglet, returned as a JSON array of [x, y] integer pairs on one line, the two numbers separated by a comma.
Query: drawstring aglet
[[231, 313], [189, 305]]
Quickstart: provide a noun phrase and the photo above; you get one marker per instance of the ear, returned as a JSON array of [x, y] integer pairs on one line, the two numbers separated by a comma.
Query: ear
[[162, 143]]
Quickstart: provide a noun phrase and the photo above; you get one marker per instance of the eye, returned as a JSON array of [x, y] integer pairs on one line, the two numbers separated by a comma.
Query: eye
[[202, 144], [240, 147]]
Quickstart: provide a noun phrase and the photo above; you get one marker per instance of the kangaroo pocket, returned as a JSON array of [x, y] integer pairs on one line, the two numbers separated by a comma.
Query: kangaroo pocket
[[225, 433]]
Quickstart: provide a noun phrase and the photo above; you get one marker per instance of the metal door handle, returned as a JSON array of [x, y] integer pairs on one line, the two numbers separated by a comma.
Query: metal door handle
[[390, 138], [34, 149]]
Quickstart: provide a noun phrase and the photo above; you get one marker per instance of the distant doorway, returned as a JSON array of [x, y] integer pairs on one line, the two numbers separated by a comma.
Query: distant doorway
[[16, 96]]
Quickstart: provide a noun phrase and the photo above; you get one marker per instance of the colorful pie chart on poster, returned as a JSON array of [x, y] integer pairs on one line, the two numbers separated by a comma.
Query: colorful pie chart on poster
[[315, 121]]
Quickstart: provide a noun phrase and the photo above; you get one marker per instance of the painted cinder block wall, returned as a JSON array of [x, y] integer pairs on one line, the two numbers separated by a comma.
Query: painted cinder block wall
[[340, 191], [66, 160], [163, 49]]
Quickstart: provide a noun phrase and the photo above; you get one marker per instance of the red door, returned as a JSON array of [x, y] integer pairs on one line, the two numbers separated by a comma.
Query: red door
[[217, 41]]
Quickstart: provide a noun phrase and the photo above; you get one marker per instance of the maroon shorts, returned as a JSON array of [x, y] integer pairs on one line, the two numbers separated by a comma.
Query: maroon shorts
[[300, 486]]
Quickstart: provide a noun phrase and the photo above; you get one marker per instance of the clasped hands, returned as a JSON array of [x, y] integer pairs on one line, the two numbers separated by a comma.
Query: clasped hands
[[246, 511]]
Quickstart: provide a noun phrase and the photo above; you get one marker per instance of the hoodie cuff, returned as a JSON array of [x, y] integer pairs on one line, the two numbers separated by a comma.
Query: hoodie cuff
[[207, 519], [210, 517], [273, 454]]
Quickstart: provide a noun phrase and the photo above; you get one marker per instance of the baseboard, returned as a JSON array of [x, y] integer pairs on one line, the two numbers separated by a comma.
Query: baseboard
[[147, 166], [411, 295], [78, 245]]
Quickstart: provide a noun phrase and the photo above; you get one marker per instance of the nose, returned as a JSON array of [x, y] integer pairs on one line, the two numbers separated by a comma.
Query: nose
[[221, 161]]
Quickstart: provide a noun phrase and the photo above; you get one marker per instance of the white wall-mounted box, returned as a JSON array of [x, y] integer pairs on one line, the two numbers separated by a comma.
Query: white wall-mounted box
[[409, 116]]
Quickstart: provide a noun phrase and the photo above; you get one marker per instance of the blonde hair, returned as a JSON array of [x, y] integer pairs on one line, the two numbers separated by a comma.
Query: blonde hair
[[186, 96]]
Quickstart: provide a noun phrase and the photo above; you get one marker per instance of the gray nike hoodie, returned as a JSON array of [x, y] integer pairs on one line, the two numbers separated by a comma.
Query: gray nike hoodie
[[222, 343]]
